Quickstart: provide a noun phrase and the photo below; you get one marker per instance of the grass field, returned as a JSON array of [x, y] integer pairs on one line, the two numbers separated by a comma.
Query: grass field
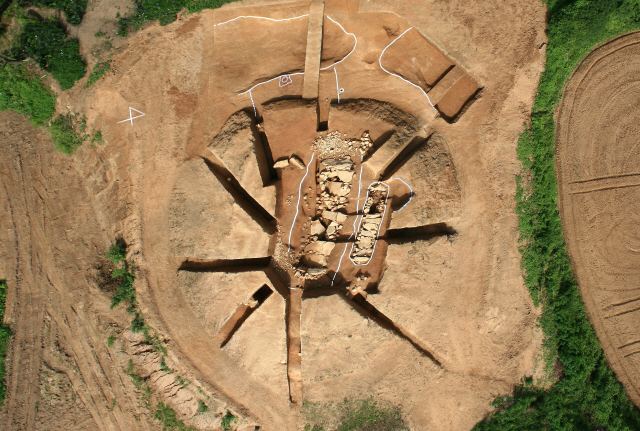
[[587, 395]]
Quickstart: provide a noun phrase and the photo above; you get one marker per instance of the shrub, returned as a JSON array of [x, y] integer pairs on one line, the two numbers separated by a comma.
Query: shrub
[[97, 138], [5, 336], [117, 251], [588, 396], [73, 10], [164, 11], [169, 419], [98, 72], [227, 420], [46, 42], [22, 92], [202, 407], [63, 135]]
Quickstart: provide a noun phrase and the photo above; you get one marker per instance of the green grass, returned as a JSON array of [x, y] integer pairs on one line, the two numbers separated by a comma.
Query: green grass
[[360, 414], [169, 419], [22, 92], [63, 136], [5, 336], [98, 72], [73, 10], [163, 11], [587, 395], [227, 420], [46, 42], [202, 407], [97, 138], [126, 293]]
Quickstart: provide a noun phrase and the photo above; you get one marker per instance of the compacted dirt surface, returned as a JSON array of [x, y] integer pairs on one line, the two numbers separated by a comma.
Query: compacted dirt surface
[[318, 199], [599, 177]]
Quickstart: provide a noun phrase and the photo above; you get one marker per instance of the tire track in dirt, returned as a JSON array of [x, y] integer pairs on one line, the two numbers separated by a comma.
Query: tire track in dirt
[[55, 234], [597, 169]]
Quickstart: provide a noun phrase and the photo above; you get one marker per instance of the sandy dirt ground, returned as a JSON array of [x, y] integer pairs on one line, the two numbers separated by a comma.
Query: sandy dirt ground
[[598, 175], [439, 323]]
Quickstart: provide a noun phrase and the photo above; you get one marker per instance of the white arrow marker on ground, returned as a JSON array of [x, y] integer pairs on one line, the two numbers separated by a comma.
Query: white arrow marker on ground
[[131, 117]]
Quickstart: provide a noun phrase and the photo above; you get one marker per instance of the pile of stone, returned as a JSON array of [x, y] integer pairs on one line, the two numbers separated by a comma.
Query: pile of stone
[[366, 239], [316, 253], [334, 184], [334, 221], [370, 224], [334, 146]]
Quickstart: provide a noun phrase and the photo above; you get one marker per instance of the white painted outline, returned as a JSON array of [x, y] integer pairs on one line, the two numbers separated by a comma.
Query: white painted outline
[[410, 195], [350, 52], [284, 81], [379, 226], [255, 111], [405, 80], [260, 17], [337, 85], [298, 204], [131, 117]]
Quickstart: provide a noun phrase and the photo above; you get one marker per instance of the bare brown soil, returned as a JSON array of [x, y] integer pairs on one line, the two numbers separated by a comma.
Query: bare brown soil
[[425, 308], [599, 179]]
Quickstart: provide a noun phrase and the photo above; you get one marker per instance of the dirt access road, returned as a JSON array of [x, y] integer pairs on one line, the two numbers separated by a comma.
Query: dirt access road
[[454, 293]]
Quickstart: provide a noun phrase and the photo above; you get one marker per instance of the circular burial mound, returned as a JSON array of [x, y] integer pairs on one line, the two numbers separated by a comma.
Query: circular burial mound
[[598, 148], [319, 203]]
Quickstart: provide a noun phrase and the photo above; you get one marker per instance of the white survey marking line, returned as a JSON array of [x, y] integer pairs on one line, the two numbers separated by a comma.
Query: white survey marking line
[[381, 221], [405, 80], [410, 193], [299, 195], [279, 77], [337, 85], [379, 226], [350, 52], [340, 262], [131, 117], [260, 17]]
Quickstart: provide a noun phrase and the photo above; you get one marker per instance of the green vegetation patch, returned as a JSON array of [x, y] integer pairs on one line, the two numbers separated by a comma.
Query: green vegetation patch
[[63, 135], [98, 72], [169, 419], [46, 42], [361, 414], [126, 293], [22, 92], [227, 420], [587, 395], [202, 407], [73, 10], [164, 11], [97, 138], [5, 336]]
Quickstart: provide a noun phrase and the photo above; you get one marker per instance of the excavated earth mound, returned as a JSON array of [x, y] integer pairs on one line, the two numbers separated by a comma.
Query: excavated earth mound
[[598, 147], [319, 201]]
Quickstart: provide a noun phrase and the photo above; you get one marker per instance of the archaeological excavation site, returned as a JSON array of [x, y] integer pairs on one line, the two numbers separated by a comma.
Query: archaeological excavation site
[[283, 213]]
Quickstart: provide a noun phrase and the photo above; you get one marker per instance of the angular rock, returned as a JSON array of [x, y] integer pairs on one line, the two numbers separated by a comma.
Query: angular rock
[[295, 161], [338, 164], [314, 260], [320, 247], [334, 216], [281, 163], [317, 228]]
